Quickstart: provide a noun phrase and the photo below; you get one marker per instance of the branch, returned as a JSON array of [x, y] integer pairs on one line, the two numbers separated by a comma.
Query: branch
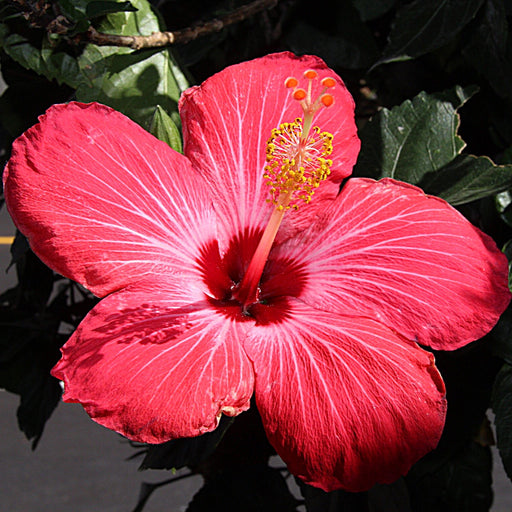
[[158, 39]]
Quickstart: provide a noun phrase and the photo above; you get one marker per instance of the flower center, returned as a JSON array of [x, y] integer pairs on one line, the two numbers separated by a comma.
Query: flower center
[[296, 165]]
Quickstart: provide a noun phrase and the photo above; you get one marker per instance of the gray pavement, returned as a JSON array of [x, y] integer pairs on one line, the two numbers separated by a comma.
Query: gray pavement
[[7, 230], [78, 466]]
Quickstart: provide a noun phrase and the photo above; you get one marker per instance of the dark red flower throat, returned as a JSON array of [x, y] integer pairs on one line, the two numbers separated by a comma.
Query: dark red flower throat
[[281, 279]]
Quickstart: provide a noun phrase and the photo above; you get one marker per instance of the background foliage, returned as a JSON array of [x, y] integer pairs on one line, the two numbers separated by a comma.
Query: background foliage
[[432, 82]]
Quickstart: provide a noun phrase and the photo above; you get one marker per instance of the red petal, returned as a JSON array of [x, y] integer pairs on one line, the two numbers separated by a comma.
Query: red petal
[[229, 118], [102, 201], [387, 251], [153, 365], [346, 402]]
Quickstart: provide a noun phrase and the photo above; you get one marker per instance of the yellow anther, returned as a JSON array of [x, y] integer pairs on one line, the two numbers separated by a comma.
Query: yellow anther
[[296, 163], [297, 152]]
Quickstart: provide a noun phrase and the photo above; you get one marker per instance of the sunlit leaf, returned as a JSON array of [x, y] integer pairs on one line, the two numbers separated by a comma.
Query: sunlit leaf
[[133, 82], [165, 129], [414, 138]]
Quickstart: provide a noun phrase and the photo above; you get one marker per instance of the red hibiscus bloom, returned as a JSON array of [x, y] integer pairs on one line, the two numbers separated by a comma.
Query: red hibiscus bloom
[[320, 324]]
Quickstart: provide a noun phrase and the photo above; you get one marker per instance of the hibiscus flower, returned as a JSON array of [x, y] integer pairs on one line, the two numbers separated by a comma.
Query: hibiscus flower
[[239, 269]]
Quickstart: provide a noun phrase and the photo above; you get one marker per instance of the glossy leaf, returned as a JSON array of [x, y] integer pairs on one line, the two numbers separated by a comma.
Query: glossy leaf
[[417, 142], [488, 48], [468, 178], [502, 406], [414, 138], [421, 27], [133, 82]]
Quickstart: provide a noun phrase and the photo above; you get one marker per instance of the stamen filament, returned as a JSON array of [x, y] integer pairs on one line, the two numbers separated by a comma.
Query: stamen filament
[[308, 121], [246, 293]]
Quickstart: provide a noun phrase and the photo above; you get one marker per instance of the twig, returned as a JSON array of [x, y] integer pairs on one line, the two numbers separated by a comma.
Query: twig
[[159, 39]]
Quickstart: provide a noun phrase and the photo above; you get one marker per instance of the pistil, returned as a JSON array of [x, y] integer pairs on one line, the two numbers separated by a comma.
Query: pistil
[[296, 165], [247, 292]]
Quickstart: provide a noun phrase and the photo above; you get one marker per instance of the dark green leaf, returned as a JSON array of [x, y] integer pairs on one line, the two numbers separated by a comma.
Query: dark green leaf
[[417, 142], [458, 478], [504, 206], [28, 375], [248, 489], [19, 49], [179, 453], [29, 345], [95, 9], [60, 65], [54, 65], [380, 498], [488, 48], [502, 406], [414, 138], [352, 47], [74, 10], [507, 156], [370, 9], [468, 178], [165, 129], [500, 337], [389, 498], [423, 26], [19, 249], [133, 82]]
